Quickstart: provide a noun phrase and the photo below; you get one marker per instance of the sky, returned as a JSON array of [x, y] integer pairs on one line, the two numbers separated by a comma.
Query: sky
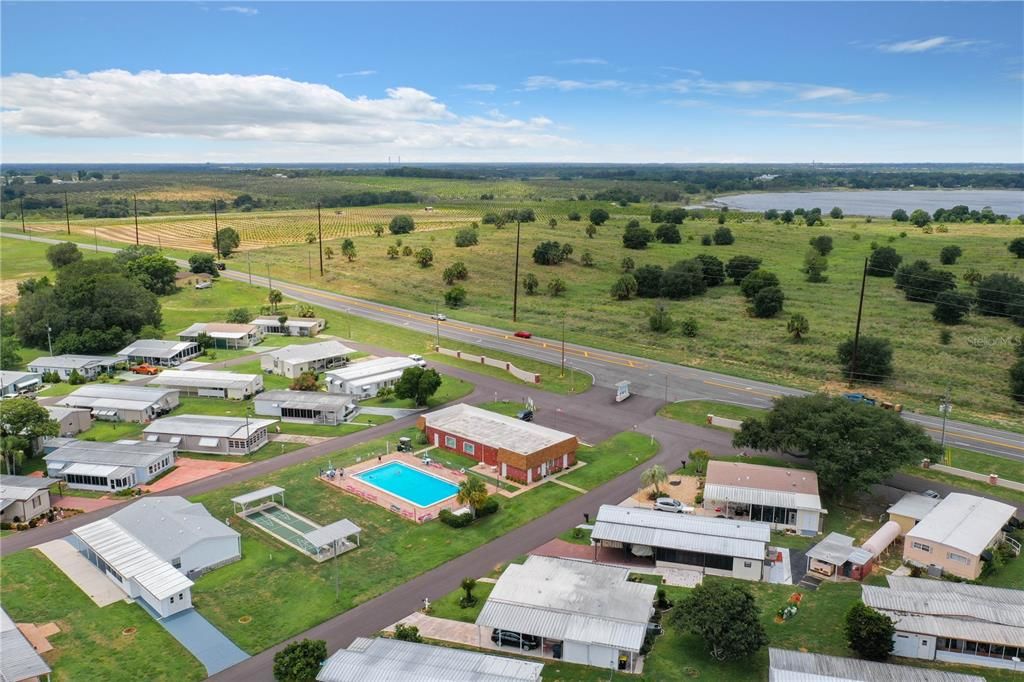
[[684, 82]]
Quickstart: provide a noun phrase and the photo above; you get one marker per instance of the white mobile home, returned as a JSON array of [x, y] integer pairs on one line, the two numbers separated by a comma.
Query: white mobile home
[[787, 499], [88, 366], [291, 361], [365, 378], [293, 326], [210, 435], [159, 352], [309, 407], [71, 420], [13, 383], [107, 467], [224, 335], [210, 383], [23, 498], [799, 666], [119, 402]]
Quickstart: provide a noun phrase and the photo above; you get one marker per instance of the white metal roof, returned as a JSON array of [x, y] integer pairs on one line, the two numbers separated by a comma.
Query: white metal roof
[[271, 321], [74, 361], [305, 399], [58, 413], [205, 425], [367, 369], [496, 430], [23, 487], [171, 524], [257, 495], [726, 537], [797, 666], [964, 522], [100, 470], [120, 453], [392, 660], [204, 378], [132, 559], [310, 352], [117, 397], [914, 506], [339, 530], [219, 330], [7, 378], [20, 660], [837, 549], [574, 600], [156, 348], [773, 498]]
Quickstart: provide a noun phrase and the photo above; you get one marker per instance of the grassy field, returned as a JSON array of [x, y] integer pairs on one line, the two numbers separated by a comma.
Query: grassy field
[[609, 459], [452, 388], [697, 411], [117, 642], [448, 606]]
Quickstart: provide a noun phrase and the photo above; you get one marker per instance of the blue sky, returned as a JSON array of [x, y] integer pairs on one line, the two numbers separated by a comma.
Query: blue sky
[[623, 82]]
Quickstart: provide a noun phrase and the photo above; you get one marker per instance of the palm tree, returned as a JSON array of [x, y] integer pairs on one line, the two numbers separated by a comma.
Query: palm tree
[[654, 476], [798, 326], [274, 297], [468, 584], [472, 492]]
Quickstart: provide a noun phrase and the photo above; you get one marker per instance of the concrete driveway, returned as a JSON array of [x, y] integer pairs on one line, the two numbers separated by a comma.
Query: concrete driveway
[[77, 568], [213, 649]]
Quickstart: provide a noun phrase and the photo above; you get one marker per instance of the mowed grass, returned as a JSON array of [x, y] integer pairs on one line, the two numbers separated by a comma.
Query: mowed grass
[[451, 388], [697, 411], [610, 458], [729, 339], [114, 643]]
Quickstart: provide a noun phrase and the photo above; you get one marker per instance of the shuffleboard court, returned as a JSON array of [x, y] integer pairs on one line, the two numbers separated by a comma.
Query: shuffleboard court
[[284, 525]]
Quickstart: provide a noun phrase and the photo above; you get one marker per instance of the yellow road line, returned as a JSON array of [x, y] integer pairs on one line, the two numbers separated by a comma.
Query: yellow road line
[[950, 432], [742, 389]]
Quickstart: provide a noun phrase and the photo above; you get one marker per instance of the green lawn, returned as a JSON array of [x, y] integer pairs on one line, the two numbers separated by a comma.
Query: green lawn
[[577, 536], [92, 643], [609, 459], [509, 408], [697, 411], [448, 605], [285, 593], [452, 388], [1007, 469]]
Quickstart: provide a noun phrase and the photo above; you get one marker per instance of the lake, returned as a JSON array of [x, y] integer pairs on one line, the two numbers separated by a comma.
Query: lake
[[881, 203]]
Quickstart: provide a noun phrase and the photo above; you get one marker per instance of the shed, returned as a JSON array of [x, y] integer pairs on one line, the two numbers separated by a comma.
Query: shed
[[835, 557], [70, 420]]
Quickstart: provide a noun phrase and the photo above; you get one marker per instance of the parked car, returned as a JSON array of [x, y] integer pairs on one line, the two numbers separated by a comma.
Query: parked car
[[654, 629], [525, 415], [520, 641], [523, 335], [439, 316], [932, 494], [418, 359], [147, 370], [668, 504], [204, 285]]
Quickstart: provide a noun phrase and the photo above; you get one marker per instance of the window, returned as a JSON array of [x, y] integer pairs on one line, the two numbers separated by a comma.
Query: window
[[959, 558], [469, 448], [923, 547], [181, 596], [172, 600], [176, 562], [746, 564], [450, 442]]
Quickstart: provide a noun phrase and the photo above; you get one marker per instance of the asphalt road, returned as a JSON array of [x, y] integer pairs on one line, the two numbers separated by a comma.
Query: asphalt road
[[651, 378]]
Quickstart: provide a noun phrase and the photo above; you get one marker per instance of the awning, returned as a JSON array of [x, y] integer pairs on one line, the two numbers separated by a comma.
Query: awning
[[174, 440], [209, 442], [152, 438], [99, 470]]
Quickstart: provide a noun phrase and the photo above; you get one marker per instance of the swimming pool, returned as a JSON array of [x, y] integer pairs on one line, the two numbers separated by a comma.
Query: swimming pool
[[410, 484]]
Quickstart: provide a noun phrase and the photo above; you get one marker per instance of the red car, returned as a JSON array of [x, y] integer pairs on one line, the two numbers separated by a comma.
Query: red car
[[523, 335]]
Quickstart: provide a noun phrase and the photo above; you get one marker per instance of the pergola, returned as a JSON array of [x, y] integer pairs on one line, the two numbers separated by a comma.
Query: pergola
[[257, 496], [330, 536]]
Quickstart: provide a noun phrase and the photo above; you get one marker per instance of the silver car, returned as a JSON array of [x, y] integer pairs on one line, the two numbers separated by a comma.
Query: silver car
[[669, 504]]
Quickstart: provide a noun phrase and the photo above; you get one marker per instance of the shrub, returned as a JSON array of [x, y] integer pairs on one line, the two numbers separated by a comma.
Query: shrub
[[883, 262], [530, 283], [648, 281], [705, 240], [455, 271], [587, 259], [822, 244], [815, 265], [874, 358], [950, 254], [1017, 381], [660, 320], [455, 520], [455, 297], [683, 280], [757, 280], [945, 336], [424, 257], [548, 253], [712, 268], [632, 222], [739, 267], [590, 230], [689, 327], [1016, 247], [598, 216], [637, 238], [239, 316], [466, 237], [63, 254], [574, 216], [627, 264], [798, 326], [408, 633], [402, 224], [406, 250], [489, 507], [768, 302], [951, 307], [556, 287], [667, 233], [723, 236], [75, 379]]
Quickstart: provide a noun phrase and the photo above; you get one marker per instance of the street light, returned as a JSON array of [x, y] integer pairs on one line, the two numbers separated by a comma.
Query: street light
[[49, 343], [945, 407]]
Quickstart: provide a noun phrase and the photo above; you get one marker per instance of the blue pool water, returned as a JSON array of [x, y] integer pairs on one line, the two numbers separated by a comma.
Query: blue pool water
[[410, 484]]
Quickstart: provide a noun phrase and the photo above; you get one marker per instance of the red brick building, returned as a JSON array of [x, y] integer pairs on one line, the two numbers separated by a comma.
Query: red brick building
[[521, 451]]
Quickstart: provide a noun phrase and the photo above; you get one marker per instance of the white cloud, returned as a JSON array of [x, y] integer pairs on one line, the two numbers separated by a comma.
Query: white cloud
[[568, 85], [823, 119], [751, 88], [227, 107], [944, 43], [816, 92], [359, 74], [248, 11], [584, 60], [480, 87]]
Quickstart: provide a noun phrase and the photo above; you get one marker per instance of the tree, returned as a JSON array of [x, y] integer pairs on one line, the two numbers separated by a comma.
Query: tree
[[813, 217], [552, 223], [22, 422], [418, 384], [723, 236], [407, 633], [627, 265], [238, 316], [43, 180], [972, 277], [950, 254], [951, 307], [425, 257], [836, 213], [632, 222], [598, 216], [637, 238], [725, 616], [667, 233], [154, 272], [9, 346], [920, 217], [587, 259], [869, 632], [648, 281], [851, 446], [874, 359], [311, 238], [378, 230], [787, 216], [822, 244], [712, 268], [590, 230], [468, 585], [556, 287], [883, 262], [393, 251], [63, 254], [455, 297], [798, 326], [655, 476], [472, 493], [660, 320], [624, 287], [402, 224], [329, 253], [757, 280], [768, 302], [348, 249], [199, 263], [226, 241], [548, 253], [998, 294], [574, 216], [739, 267], [900, 216], [683, 280], [771, 214], [699, 459], [274, 297], [689, 327], [921, 283], [1016, 247], [300, 661], [466, 237], [1017, 381], [306, 381], [455, 271], [530, 283], [204, 341]]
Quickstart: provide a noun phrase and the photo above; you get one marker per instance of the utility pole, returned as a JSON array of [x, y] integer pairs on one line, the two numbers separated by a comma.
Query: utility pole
[[320, 238], [309, 265], [216, 231], [437, 322], [562, 372], [21, 209], [515, 290], [270, 282], [67, 213], [135, 200], [248, 263], [945, 407], [856, 334]]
